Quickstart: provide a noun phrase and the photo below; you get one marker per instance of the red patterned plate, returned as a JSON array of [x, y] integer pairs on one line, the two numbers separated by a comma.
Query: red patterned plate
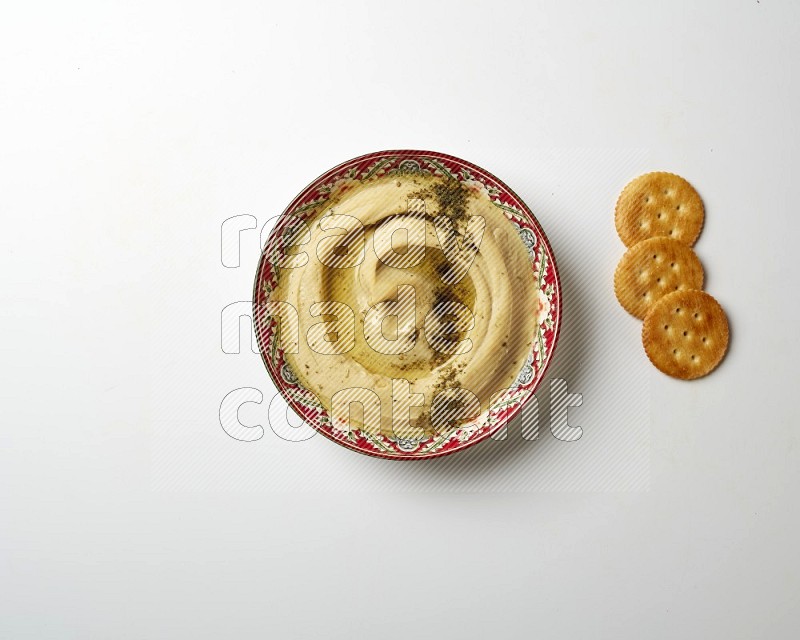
[[405, 163]]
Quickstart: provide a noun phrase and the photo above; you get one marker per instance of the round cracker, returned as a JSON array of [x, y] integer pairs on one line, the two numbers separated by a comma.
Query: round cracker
[[659, 204], [685, 334], [653, 268]]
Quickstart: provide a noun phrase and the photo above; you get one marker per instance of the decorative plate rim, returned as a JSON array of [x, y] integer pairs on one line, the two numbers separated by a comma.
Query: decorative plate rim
[[519, 209]]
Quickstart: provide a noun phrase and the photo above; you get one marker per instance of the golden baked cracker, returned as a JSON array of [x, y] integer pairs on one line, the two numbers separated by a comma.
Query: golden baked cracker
[[653, 268], [685, 334], [659, 204]]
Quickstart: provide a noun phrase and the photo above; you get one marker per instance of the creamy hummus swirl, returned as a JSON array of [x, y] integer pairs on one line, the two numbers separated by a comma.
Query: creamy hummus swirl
[[413, 286]]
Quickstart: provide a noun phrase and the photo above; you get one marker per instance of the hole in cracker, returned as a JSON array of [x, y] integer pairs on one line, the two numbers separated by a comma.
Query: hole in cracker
[[672, 264], [647, 199], [655, 255], [671, 231], [678, 310], [666, 326], [704, 338], [696, 316], [678, 208], [685, 333], [694, 357], [659, 215], [675, 352], [666, 192]]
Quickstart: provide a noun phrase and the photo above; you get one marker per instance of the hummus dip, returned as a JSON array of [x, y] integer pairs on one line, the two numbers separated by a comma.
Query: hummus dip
[[413, 287]]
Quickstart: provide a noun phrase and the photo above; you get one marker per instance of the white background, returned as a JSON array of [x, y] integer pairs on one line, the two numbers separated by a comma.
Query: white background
[[128, 133]]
